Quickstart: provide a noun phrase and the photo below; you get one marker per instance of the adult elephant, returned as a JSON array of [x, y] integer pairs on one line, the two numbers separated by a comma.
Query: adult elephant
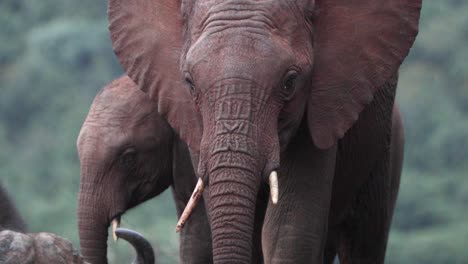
[[10, 218], [298, 92], [129, 154]]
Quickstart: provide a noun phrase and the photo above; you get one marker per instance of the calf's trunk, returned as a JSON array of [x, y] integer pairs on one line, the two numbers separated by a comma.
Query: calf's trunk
[[93, 225]]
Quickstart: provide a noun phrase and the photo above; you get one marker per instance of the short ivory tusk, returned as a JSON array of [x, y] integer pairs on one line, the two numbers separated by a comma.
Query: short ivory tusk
[[274, 190], [197, 192], [115, 225]]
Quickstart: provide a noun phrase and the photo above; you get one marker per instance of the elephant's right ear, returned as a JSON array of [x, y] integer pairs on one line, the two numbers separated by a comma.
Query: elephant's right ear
[[147, 38]]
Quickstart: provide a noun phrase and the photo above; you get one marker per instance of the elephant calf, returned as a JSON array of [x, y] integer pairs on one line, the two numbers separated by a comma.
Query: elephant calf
[[19, 247], [46, 248], [129, 154], [38, 248]]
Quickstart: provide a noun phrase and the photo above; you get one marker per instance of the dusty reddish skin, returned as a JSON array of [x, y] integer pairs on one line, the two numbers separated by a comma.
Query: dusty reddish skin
[[328, 134], [128, 154]]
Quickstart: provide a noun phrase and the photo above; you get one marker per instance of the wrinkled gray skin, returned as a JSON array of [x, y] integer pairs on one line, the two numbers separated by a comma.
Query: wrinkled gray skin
[[47, 248], [40, 248], [304, 88], [129, 154], [16, 247], [9, 216]]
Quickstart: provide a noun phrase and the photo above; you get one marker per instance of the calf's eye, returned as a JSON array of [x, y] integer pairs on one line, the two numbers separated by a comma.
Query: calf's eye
[[128, 158]]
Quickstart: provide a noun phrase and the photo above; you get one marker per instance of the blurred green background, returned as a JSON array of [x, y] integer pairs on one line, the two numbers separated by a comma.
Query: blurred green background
[[56, 54]]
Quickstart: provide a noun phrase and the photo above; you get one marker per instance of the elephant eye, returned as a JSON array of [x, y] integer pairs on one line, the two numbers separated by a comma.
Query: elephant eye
[[289, 84], [189, 81], [128, 159]]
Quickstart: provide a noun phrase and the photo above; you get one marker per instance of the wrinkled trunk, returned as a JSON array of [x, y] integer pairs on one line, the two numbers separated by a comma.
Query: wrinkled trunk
[[233, 193], [234, 172], [234, 154], [93, 225]]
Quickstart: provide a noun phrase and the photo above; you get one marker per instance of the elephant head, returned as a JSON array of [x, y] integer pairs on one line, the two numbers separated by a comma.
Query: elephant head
[[236, 78], [46, 248], [125, 155]]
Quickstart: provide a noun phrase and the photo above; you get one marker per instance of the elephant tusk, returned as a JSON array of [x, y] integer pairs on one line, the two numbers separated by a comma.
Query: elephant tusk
[[197, 192], [115, 225], [274, 190], [143, 248]]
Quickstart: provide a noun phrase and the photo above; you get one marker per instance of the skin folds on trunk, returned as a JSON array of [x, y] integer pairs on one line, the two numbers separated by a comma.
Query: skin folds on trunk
[[233, 156], [93, 225], [233, 193]]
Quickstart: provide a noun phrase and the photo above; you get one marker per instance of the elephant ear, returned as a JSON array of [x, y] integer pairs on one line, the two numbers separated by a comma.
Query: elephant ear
[[359, 45], [147, 39]]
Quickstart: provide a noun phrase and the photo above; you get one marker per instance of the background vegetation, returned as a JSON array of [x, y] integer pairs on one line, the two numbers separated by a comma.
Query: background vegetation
[[56, 54]]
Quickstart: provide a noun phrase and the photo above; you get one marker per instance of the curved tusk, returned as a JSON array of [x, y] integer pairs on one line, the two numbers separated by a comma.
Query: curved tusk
[[143, 248], [197, 192], [274, 190], [115, 225]]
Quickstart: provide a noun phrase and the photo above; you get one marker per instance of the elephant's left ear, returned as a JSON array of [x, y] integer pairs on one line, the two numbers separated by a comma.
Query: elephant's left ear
[[359, 45], [147, 39]]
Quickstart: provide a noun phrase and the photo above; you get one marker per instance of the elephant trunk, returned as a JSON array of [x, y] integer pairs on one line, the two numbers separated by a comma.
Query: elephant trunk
[[93, 224], [233, 193], [235, 165], [239, 148]]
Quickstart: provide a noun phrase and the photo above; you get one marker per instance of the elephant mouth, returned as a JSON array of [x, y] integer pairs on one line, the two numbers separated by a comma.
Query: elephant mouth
[[114, 223], [197, 193]]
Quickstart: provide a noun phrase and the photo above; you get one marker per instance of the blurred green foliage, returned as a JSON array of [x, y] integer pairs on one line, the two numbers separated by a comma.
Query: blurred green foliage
[[56, 54]]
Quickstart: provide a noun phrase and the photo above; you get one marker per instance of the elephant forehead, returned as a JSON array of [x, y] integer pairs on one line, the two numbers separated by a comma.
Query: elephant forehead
[[114, 108], [214, 15]]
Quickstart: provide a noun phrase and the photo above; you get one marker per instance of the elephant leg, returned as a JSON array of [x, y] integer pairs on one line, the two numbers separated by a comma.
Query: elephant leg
[[330, 248], [295, 229], [330, 254], [262, 202], [364, 233], [195, 238]]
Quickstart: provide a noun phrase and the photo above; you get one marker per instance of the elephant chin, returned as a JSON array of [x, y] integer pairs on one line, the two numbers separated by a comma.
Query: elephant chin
[[197, 194]]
